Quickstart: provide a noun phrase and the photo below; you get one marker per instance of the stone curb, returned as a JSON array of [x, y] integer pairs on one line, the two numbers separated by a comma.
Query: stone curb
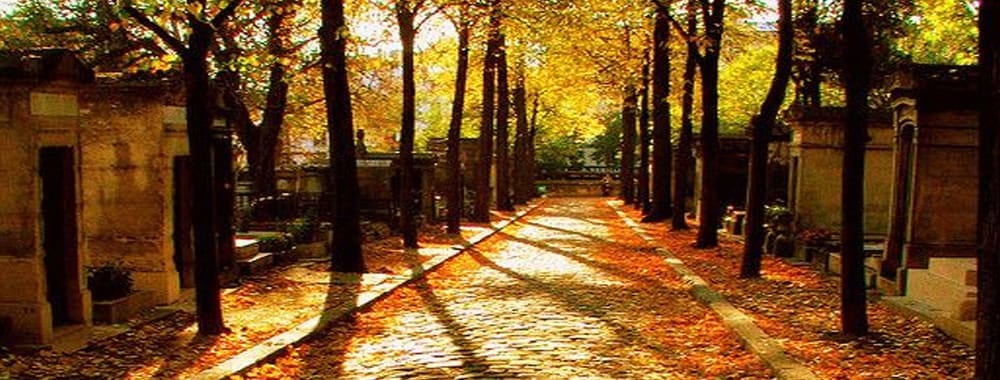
[[273, 346], [752, 337]]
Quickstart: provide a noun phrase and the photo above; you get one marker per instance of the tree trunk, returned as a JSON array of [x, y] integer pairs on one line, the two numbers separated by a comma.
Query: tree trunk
[[626, 173], [407, 225], [988, 273], [485, 162], [532, 132], [853, 316], [199, 122], [807, 91], [503, 134], [454, 191], [345, 250], [276, 101], [709, 210], [662, 172], [642, 192], [763, 123], [683, 158], [522, 177]]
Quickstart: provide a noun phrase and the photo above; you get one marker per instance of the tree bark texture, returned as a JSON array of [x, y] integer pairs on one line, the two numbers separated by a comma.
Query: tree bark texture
[[481, 212], [455, 181], [661, 118], [807, 73], [199, 122], [503, 131], [532, 132], [853, 316], [627, 167], [763, 123], [276, 103], [683, 159], [407, 205], [642, 193], [709, 210], [988, 273], [522, 177], [345, 250]]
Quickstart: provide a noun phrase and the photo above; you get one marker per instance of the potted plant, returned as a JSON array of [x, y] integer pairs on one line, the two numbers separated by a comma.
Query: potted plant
[[115, 300]]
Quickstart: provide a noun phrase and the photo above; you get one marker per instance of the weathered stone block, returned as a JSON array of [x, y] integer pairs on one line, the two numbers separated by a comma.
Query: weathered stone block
[[30, 322], [23, 280], [54, 104]]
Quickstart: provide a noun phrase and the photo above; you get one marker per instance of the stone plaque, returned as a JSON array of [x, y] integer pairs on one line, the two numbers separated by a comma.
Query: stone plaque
[[374, 163], [48, 104], [174, 115]]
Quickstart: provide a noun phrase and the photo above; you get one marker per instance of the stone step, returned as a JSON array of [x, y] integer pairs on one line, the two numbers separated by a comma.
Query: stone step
[[954, 268], [953, 298], [256, 265]]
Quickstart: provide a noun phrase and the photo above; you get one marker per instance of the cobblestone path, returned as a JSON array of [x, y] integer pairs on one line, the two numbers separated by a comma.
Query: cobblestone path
[[567, 292]]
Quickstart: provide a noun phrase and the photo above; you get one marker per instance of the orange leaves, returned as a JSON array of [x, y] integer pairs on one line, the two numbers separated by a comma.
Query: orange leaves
[[799, 306]]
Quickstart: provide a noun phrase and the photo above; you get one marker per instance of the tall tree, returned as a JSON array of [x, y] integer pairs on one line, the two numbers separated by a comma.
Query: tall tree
[[532, 152], [463, 24], [627, 167], [642, 192], [481, 212], [661, 116], [522, 177], [683, 159], [709, 210], [503, 131], [406, 13], [200, 114], [763, 123], [345, 250], [857, 70], [988, 273], [806, 70], [259, 139], [276, 101]]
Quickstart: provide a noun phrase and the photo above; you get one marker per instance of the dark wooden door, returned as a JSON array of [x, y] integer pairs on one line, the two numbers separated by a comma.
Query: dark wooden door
[[56, 169], [183, 248]]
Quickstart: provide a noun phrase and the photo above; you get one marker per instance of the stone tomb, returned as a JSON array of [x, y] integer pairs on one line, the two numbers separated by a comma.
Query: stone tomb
[[468, 156], [378, 178], [930, 254], [43, 286], [734, 155], [134, 172], [92, 174], [816, 165]]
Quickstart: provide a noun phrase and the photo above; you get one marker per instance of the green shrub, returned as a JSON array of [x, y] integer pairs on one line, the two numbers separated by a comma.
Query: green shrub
[[109, 281], [302, 230]]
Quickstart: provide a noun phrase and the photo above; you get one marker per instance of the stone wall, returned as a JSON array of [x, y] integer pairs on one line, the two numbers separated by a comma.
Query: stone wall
[[129, 138], [34, 116], [817, 163]]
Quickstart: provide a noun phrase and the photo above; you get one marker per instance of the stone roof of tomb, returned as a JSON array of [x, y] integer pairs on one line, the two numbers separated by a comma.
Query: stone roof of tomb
[[43, 65], [798, 115]]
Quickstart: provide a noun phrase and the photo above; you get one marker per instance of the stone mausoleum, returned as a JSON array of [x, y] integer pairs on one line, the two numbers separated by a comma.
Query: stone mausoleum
[[930, 255], [94, 171], [43, 286], [816, 164]]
